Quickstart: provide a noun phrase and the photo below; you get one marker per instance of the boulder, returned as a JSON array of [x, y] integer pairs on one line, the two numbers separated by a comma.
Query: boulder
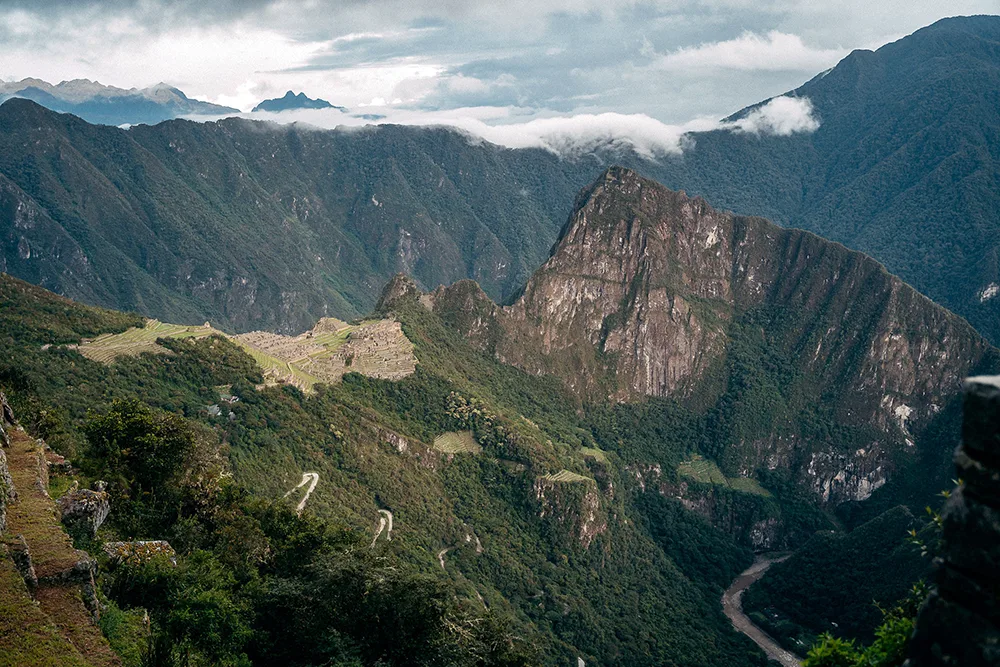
[[84, 510]]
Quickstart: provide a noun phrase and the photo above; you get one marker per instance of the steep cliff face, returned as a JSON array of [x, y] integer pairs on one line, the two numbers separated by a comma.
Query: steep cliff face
[[651, 293]]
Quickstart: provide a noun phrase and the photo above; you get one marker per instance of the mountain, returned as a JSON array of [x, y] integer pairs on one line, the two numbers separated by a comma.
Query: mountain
[[834, 368], [262, 226], [293, 101], [903, 167], [505, 519], [109, 105], [524, 478]]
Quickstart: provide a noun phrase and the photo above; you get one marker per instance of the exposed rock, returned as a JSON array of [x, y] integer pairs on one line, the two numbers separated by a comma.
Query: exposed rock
[[139, 552], [400, 289], [84, 509], [6, 419], [8, 493], [645, 289], [6, 414], [959, 623], [21, 556]]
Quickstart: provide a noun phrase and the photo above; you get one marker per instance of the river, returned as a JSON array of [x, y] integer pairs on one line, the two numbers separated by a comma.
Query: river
[[732, 605]]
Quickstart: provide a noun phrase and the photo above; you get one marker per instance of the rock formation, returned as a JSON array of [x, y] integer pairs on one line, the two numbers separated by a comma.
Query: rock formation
[[648, 291], [84, 510], [959, 623], [139, 552]]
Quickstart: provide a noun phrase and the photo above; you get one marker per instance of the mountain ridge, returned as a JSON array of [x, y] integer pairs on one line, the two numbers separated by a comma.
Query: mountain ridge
[[110, 105], [648, 289], [291, 101]]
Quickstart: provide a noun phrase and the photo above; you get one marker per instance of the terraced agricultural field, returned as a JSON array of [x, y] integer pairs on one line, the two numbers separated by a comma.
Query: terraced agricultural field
[[703, 470], [376, 348], [566, 476], [594, 453], [457, 442], [135, 341]]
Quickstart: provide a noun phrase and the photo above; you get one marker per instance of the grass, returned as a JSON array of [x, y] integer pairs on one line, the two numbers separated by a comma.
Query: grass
[[139, 340], [36, 517], [566, 477], [27, 637], [126, 632], [314, 364], [594, 453], [59, 484], [702, 470], [705, 471], [457, 442]]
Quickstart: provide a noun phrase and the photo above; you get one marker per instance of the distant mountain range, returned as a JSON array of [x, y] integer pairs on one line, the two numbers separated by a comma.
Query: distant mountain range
[[292, 101], [108, 105], [169, 219]]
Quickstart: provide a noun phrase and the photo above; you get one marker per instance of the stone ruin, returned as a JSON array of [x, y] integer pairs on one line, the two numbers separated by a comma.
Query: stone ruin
[[959, 624]]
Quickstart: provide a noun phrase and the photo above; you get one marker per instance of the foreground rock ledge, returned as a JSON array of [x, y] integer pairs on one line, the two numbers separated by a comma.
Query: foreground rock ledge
[[960, 622]]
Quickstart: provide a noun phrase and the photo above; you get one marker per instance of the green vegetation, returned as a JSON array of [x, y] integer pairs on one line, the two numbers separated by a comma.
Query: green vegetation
[[256, 583], [27, 635], [707, 472], [565, 476], [457, 442], [838, 583], [304, 361], [887, 649]]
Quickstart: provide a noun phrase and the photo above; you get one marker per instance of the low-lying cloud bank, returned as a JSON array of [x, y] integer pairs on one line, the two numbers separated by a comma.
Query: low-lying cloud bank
[[571, 135]]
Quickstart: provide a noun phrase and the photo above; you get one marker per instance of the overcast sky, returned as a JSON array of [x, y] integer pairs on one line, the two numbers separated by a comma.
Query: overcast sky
[[669, 60]]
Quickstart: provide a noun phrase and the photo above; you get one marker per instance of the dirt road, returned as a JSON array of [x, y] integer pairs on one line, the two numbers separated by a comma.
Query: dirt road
[[310, 478]]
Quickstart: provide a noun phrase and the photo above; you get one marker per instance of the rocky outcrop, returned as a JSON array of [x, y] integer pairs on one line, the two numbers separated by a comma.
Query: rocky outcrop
[[21, 555], [959, 623], [648, 292], [8, 493], [640, 291], [84, 510], [139, 552]]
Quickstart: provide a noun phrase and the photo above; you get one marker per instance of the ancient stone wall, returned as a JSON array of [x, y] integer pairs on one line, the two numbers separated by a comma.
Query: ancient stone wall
[[960, 622]]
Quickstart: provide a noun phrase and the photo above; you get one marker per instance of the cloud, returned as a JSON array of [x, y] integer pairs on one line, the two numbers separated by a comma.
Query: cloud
[[775, 51], [781, 117], [570, 135]]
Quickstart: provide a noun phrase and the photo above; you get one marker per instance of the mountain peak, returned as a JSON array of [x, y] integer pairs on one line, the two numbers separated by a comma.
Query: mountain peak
[[291, 100]]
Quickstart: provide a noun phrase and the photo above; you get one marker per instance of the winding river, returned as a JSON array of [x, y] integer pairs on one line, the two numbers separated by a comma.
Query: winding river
[[732, 605]]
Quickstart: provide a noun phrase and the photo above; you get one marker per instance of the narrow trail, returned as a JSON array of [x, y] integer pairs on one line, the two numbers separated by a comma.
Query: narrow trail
[[442, 554], [385, 520], [732, 605], [310, 478]]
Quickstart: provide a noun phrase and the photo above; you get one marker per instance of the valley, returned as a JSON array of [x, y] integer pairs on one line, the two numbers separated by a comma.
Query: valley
[[394, 395], [732, 605]]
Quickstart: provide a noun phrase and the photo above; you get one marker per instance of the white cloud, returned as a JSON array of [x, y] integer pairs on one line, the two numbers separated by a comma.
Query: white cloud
[[775, 51], [572, 135], [781, 117]]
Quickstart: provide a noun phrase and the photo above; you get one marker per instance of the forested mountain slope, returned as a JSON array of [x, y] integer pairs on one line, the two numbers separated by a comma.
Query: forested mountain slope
[[513, 541]]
